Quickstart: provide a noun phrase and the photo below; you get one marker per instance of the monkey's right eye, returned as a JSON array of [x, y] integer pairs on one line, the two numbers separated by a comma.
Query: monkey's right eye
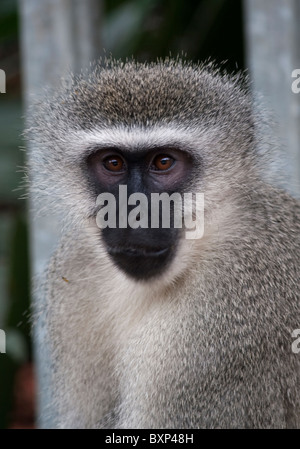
[[114, 163]]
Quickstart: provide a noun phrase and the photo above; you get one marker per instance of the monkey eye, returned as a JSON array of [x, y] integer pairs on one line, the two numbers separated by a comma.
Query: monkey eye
[[114, 163], [162, 162]]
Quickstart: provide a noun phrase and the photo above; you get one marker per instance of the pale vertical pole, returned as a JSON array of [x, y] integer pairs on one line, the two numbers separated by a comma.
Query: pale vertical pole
[[272, 53], [56, 36]]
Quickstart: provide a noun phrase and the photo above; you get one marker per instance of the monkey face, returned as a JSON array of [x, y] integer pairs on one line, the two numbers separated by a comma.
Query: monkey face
[[137, 239]]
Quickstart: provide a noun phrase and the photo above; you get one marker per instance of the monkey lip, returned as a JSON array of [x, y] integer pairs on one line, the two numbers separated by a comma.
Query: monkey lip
[[140, 262], [138, 251]]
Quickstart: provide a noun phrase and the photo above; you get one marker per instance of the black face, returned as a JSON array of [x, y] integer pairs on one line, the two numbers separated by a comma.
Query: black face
[[140, 252]]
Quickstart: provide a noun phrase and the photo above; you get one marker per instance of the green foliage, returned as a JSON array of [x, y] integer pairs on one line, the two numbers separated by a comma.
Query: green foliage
[[8, 20], [199, 29]]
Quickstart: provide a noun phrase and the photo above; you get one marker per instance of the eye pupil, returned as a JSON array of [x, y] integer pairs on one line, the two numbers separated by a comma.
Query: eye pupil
[[114, 163], [162, 162]]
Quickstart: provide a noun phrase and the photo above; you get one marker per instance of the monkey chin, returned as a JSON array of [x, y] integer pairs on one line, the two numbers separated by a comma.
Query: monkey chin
[[141, 263]]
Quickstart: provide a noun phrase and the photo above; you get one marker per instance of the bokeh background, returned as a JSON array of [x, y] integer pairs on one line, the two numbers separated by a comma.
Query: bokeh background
[[145, 29]]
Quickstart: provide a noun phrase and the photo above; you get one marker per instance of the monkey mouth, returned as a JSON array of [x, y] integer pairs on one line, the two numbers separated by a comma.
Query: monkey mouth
[[137, 251], [141, 263]]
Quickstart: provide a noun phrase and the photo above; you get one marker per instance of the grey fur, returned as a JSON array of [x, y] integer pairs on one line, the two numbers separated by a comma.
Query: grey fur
[[208, 344]]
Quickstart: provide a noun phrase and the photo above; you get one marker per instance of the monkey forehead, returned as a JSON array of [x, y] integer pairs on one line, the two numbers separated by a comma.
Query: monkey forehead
[[135, 138], [150, 93]]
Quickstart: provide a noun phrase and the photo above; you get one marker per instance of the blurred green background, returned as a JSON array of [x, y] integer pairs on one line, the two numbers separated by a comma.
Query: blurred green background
[[145, 29]]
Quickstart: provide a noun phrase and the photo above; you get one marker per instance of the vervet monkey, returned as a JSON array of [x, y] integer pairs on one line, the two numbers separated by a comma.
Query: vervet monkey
[[148, 328]]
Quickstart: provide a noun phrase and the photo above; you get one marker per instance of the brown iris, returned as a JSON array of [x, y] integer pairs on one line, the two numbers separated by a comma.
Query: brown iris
[[162, 162], [114, 163]]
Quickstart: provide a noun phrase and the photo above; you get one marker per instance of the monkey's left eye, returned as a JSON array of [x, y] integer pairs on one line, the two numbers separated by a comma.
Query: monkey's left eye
[[114, 163], [162, 162]]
